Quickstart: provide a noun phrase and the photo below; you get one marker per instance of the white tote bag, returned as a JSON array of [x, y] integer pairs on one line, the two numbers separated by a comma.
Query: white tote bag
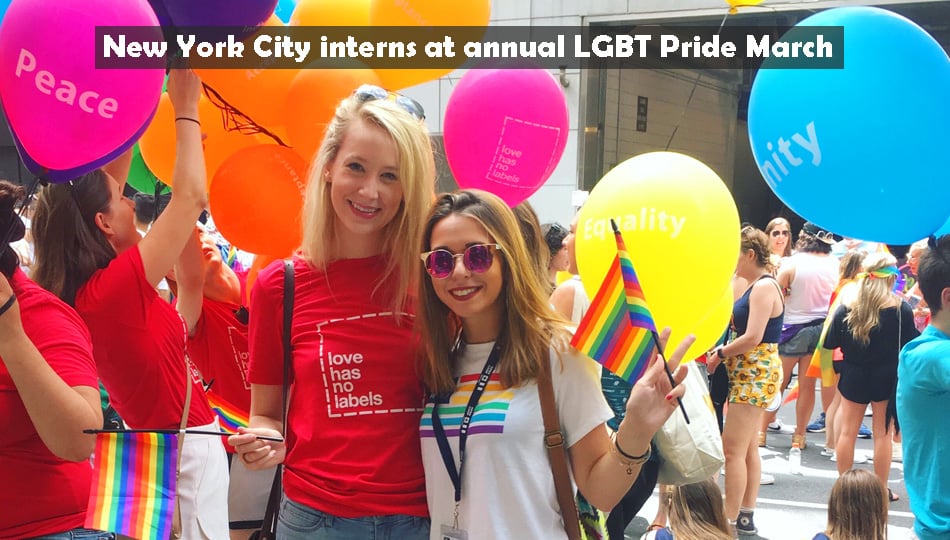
[[690, 453]]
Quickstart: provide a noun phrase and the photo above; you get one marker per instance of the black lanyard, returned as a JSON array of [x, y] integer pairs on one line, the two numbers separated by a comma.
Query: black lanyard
[[455, 474]]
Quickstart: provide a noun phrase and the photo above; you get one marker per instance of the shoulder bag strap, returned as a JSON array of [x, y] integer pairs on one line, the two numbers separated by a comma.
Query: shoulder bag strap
[[182, 425], [554, 442], [269, 525]]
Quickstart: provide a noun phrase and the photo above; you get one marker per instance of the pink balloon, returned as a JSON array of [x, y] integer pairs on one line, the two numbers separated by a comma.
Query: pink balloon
[[505, 131], [64, 112]]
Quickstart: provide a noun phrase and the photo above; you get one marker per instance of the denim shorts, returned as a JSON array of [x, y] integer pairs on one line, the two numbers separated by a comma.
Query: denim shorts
[[803, 343], [298, 522], [79, 534]]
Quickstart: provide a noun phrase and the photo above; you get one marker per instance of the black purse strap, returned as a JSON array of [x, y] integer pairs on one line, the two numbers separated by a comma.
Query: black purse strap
[[269, 526]]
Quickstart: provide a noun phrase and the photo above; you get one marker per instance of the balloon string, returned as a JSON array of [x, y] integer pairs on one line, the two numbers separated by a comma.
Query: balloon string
[[235, 120]]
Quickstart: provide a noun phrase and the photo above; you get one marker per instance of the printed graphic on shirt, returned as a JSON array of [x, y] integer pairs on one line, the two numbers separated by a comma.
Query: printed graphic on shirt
[[238, 342], [355, 379], [489, 414]]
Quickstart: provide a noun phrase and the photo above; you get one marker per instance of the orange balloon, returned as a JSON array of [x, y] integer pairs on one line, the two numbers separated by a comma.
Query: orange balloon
[[259, 93], [158, 142], [331, 13], [312, 101], [260, 262], [256, 199], [427, 14]]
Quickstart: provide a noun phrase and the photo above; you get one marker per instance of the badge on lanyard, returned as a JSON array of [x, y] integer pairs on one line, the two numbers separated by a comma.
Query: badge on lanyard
[[451, 533]]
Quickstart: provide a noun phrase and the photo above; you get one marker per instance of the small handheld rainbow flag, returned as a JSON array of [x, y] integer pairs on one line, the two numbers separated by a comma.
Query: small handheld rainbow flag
[[229, 415], [618, 330], [133, 488]]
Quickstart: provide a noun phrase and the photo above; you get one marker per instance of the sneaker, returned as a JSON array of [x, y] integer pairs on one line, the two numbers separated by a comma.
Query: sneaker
[[744, 525], [828, 452], [779, 427], [766, 480], [860, 458], [818, 426], [864, 432]]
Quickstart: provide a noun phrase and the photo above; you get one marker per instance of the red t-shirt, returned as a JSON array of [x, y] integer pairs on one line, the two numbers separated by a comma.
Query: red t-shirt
[[41, 493], [219, 350], [355, 405], [139, 343]]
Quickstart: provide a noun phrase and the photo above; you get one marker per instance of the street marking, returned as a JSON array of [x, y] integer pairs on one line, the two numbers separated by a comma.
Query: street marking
[[819, 506]]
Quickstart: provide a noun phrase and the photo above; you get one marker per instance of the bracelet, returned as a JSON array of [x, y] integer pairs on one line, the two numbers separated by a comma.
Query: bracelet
[[7, 305], [188, 119], [626, 459], [719, 354]]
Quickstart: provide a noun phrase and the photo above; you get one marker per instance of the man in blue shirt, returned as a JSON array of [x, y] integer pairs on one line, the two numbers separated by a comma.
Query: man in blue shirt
[[923, 388]]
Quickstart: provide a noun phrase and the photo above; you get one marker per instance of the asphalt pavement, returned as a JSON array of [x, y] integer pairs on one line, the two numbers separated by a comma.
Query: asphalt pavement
[[795, 507]]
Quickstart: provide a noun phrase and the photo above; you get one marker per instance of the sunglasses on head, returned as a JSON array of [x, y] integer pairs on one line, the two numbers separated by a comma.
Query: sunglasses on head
[[780, 233], [369, 92], [477, 258]]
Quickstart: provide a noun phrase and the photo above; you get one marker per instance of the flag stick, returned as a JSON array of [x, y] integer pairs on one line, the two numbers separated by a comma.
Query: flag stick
[[175, 431], [666, 368]]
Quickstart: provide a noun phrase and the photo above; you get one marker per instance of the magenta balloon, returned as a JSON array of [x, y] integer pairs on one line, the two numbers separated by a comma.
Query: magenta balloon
[[505, 131], [64, 111]]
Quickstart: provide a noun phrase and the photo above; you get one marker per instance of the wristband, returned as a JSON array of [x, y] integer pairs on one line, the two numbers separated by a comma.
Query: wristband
[[719, 354], [188, 119], [626, 459], [7, 305]]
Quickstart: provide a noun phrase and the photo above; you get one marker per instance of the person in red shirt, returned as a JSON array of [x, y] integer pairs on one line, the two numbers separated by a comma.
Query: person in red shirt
[[90, 254], [352, 459], [217, 344], [48, 395]]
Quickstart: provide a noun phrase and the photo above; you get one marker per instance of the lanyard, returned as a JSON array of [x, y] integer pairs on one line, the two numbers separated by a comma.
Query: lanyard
[[455, 474]]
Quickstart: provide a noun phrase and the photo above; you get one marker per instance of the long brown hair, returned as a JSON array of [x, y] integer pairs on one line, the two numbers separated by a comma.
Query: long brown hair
[[69, 246], [11, 226], [775, 223], [697, 513], [857, 507], [529, 325]]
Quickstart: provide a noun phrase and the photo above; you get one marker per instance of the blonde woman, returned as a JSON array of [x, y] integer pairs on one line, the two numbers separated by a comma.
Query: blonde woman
[[870, 332], [696, 513], [351, 460]]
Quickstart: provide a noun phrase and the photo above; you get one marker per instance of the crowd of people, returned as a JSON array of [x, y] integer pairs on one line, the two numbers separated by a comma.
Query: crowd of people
[[400, 382]]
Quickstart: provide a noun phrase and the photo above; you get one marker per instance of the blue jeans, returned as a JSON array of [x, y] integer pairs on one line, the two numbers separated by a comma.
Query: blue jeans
[[298, 522], [79, 534]]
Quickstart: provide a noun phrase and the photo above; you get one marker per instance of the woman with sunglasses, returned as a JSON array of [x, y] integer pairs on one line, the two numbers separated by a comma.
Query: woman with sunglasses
[[89, 253], [779, 232], [352, 466], [487, 332]]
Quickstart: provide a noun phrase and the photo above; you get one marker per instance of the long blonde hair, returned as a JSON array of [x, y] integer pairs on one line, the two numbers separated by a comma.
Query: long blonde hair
[[857, 507], [697, 513], [874, 294], [529, 326], [416, 174]]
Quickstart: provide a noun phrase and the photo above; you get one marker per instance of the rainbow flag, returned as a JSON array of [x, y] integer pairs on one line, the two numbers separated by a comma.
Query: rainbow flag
[[229, 415], [133, 487], [615, 332]]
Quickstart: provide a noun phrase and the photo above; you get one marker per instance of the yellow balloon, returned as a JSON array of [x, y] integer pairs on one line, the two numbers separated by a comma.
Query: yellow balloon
[[736, 4], [681, 230], [708, 330], [563, 276]]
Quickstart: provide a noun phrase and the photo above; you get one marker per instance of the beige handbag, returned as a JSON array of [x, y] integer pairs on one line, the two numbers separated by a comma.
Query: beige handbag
[[689, 453]]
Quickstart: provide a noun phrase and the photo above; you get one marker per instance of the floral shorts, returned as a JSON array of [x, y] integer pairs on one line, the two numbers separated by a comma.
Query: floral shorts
[[755, 378]]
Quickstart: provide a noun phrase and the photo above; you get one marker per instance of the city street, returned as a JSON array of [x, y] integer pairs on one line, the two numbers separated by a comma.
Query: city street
[[795, 507]]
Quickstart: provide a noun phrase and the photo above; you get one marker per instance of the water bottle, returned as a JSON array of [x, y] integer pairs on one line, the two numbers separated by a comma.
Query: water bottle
[[795, 460]]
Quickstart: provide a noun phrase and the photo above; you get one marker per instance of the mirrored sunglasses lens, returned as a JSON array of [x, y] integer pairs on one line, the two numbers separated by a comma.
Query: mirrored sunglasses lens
[[478, 258], [411, 106], [439, 263]]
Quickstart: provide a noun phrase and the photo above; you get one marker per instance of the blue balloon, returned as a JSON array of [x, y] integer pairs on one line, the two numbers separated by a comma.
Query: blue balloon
[[4, 4], [944, 229], [285, 9], [843, 147]]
